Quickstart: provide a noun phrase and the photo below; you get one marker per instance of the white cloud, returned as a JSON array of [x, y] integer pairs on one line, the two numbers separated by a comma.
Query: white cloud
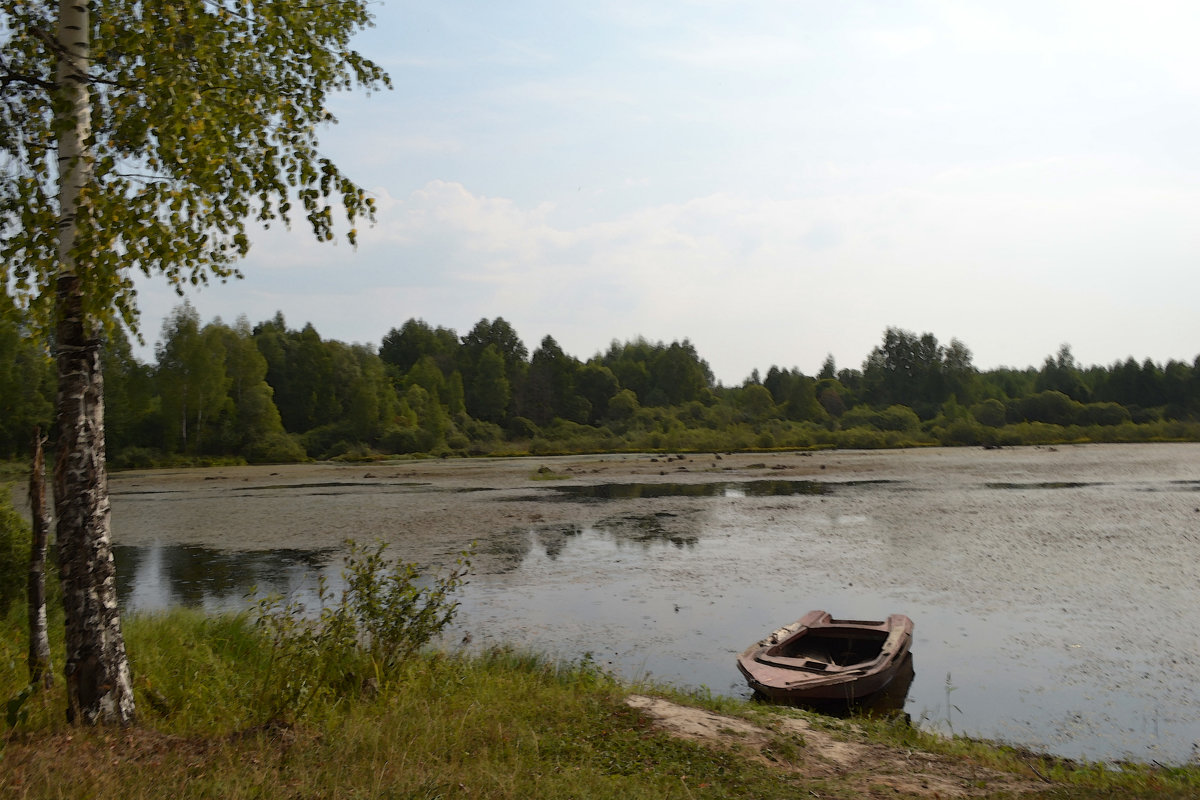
[[898, 41], [776, 181], [717, 51]]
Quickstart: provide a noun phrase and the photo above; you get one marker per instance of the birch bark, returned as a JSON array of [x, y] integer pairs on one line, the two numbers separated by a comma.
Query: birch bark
[[97, 670], [39, 635]]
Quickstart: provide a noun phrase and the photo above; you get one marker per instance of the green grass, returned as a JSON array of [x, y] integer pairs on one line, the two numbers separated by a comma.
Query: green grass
[[501, 724]]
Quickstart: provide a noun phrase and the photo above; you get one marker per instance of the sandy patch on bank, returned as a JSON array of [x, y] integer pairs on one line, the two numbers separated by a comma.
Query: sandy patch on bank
[[867, 768]]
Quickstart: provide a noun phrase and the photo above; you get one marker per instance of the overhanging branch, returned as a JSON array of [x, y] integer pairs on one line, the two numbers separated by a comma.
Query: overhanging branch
[[9, 77]]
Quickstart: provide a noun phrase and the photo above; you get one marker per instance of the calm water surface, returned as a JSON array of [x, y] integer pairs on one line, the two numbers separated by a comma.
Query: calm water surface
[[1050, 612]]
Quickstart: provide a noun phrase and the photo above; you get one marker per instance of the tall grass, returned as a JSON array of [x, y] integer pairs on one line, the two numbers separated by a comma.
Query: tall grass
[[504, 724], [195, 673], [501, 724]]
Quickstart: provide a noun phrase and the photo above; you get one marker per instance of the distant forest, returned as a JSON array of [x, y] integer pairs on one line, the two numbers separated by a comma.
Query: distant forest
[[222, 393]]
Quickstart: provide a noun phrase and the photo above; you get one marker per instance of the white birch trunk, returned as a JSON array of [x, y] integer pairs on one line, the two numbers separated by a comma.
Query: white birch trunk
[[97, 671], [39, 637]]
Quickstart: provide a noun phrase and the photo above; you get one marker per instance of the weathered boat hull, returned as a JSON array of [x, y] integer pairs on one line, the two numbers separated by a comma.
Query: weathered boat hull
[[819, 658]]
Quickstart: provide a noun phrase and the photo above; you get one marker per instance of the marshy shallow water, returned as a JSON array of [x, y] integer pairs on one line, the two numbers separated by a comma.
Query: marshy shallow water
[[1052, 589]]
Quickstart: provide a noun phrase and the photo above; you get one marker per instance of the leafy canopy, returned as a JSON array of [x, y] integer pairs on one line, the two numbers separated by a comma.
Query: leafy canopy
[[204, 116]]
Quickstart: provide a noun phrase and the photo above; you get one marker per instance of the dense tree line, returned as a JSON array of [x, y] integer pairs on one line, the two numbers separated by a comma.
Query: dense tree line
[[272, 393]]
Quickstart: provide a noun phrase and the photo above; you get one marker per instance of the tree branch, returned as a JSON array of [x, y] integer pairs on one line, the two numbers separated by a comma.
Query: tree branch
[[8, 77]]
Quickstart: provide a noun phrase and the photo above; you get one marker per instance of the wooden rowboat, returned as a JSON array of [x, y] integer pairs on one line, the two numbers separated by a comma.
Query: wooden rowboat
[[819, 658]]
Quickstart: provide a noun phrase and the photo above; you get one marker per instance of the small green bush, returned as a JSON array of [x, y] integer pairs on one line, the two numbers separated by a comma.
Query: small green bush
[[478, 430], [407, 440], [961, 432], [15, 542], [898, 418], [384, 616], [459, 443], [990, 413], [1104, 414], [353, 452], [622, 405], [521, 428], [276, 448], [860, 438], [542, 447], [136, 458]]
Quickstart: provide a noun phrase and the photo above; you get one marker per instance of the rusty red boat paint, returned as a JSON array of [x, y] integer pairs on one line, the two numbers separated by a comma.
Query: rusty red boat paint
[[819, 658]]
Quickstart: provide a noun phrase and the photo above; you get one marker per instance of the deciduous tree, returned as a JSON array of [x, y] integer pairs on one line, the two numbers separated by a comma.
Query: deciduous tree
[[255, 419], [192, 381], [143, 138], [39, 636], [918, 372], [549, 389], [402, 348], [1062, 374], [489, 392], [26, 383]]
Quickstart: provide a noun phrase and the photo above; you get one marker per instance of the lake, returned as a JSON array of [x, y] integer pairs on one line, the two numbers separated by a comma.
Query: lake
[[1051, 587]]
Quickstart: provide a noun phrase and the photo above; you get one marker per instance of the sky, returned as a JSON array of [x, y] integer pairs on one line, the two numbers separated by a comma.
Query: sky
[[776, 182]]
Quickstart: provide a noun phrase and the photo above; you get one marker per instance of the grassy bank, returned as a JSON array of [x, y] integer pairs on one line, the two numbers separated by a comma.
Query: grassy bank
[[495, 725]]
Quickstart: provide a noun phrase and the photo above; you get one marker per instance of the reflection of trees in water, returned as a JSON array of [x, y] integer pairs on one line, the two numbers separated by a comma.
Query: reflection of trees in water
[[507, 550], [554, 539], [642, 491], [129, 560], [160, 576], [648, 529], [504, 551]]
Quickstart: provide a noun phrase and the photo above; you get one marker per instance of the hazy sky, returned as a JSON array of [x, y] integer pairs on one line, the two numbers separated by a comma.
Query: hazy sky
[[775, 181]]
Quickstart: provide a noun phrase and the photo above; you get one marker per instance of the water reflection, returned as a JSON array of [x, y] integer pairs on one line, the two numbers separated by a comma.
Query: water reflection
[[1044, 485], [647, 529], [162, 576], [506, 551], [887, 702], [641, 491]]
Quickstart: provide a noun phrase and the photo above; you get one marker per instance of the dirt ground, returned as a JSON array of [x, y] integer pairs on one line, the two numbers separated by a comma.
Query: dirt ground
[[867, 769]]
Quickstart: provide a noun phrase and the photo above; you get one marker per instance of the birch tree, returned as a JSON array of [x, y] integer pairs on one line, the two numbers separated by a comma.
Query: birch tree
[[143, 136], [192, 382], [39, 636]]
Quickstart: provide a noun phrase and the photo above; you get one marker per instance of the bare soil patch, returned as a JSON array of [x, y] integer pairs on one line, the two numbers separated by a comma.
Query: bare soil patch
[[868, 769]]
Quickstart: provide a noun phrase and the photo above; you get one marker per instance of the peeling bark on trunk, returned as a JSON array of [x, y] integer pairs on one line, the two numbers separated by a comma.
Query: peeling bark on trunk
[[97, 671], [39, 638]]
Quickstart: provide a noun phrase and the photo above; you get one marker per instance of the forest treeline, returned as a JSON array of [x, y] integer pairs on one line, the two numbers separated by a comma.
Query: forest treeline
[[271, 393]]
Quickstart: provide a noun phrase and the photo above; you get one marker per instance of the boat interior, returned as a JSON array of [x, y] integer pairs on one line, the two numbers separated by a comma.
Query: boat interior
[[834, 647]]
